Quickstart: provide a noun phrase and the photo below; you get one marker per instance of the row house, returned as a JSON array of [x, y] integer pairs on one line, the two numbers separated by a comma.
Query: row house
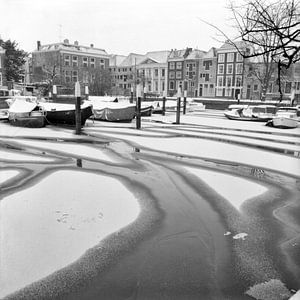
[[230, 71], [2, 76], [176, 74], [123, 70], [153, 72], [66, 63], [191, 72]]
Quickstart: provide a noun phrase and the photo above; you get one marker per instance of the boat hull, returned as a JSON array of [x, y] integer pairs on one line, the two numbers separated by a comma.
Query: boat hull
[[281, 122], [146, 111], [124, 114], [67, 117]]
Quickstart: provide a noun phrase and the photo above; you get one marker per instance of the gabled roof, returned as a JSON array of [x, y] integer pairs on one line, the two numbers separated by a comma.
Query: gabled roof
[[158, 56], [131, 60], [229, 46], [179, 54], [115, 59], [196, 54]]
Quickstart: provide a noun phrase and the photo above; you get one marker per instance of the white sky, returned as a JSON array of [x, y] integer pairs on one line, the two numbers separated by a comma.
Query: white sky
[[118, 26]]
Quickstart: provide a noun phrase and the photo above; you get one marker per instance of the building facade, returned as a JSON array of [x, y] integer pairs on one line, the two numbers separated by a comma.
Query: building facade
[[123, 70], [230, 71], [152, 72], [176, 70], [66, 63]]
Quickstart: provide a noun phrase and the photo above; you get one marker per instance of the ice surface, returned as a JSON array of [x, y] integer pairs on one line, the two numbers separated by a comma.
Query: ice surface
[[234, 189], [49, 225]]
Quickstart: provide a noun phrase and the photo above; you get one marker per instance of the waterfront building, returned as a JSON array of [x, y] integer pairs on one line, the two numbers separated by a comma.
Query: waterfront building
[[152, 71], [123, 73], [65, 63], [230, 71], [176, 69]]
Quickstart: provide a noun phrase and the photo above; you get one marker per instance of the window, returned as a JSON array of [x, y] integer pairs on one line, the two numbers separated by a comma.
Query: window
[[207, 64], [206, 77], [102, 63], [220, 81], [230, 57], [229, 81], [221, 57], [156, 85], [211, 88], [179, 65], [171, 85], [238, 81], [74, 76], [172, 65], [255, 87], [220, 69], [92, 63], [67, 76], [239, 57], [178, 75], [297, 84], [0, 78], [85, 62], [239, 68], [288, 87], [163, 86], [75, 61], [229, 69], [163, 73], [67, 60], [172, 75], [156, 72]]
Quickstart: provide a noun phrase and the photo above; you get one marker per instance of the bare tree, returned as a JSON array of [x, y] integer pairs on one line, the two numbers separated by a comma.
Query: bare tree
[[271, 29]]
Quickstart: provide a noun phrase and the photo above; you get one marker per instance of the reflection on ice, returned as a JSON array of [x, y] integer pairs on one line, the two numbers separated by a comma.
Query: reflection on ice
[[9, 155], [50, 225], [234, 189], [69, 148]]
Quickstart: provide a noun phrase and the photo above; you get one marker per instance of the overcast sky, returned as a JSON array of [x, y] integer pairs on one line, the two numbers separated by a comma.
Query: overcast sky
[[118, 26]]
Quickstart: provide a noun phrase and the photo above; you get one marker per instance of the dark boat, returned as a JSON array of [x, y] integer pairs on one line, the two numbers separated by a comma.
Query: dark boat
[[146, 111], [59, 113]]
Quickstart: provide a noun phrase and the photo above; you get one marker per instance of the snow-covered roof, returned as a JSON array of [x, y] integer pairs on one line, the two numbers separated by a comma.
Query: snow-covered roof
[[72, 48], [158, 56], [131, 60]]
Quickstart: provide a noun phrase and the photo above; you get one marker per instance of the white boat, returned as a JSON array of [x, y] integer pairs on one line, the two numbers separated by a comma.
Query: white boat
[[261, 113], [24, 111], [114, 111], [286, 117]]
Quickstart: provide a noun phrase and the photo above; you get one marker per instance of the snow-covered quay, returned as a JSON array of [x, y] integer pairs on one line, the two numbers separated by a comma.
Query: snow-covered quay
[[205, 209]]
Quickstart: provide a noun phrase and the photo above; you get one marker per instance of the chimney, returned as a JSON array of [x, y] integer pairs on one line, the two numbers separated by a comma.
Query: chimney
[[92, 45], [76, 43], [66, 41], [38, 43]]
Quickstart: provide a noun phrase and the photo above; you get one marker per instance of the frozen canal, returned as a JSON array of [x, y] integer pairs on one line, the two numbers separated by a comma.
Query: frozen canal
[[208, 209]]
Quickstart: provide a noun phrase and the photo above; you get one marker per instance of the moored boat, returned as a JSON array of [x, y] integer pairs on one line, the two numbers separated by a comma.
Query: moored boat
[[146, 110], [60, 113], [260, 113], [286, 117], [113, 111], [24, 111]]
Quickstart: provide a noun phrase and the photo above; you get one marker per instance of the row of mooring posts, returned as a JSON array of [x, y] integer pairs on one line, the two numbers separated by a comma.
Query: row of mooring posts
[[138, 104]]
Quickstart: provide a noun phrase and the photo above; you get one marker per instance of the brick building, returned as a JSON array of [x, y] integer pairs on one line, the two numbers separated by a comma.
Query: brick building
[[176, 74], [66, 63]]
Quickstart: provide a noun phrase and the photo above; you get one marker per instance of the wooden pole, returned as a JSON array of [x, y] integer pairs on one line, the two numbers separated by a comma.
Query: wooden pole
[[131, 95], [86, 92], [77, 108], [184, 102], [138, 106], [178, 106]]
